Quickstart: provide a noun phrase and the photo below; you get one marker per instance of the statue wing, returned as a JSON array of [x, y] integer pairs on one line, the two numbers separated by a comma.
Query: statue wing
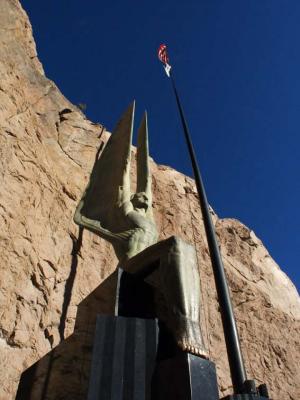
[[108, 192], [144, 180]]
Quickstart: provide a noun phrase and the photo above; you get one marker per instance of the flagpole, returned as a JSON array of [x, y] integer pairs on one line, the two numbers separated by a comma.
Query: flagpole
[[236, 363]]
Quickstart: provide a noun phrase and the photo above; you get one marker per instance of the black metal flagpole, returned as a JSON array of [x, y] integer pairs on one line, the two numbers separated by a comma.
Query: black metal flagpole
[[235, 357], [241, 385], [236, 363]]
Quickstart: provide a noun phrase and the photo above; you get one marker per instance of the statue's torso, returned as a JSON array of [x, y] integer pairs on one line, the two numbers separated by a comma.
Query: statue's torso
[[142, 234]]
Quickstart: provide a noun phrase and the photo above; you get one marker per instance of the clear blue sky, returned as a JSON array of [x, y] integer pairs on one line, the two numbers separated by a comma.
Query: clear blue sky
[[237, 67]]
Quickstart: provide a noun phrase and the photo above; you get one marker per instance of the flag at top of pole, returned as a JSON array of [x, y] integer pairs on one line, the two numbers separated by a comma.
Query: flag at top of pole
[[163, 56]]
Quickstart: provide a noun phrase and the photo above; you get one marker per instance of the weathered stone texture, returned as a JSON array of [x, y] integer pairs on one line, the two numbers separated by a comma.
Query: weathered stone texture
[[52, 288]]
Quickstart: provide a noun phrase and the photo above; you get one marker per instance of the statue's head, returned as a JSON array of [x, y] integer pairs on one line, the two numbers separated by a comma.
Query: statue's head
[[140, 200]]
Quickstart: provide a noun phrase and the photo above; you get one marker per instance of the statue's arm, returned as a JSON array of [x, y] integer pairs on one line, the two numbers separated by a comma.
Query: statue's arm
[[92, 224]]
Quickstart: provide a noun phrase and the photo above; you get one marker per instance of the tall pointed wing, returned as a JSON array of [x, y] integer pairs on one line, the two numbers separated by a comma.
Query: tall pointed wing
[[144, 180], [109, 186]]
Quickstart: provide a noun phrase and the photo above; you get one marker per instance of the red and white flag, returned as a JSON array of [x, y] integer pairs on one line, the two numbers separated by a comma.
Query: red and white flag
[[163, 56]]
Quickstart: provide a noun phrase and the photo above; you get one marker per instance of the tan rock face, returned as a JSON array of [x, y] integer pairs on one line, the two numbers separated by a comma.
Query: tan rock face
[[55, 279]]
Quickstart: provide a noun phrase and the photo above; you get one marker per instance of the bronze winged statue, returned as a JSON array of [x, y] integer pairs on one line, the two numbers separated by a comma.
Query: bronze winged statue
[[109, 209]]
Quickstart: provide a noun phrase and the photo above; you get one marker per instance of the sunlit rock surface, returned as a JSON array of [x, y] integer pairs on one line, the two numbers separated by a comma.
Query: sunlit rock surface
[[52, 286]]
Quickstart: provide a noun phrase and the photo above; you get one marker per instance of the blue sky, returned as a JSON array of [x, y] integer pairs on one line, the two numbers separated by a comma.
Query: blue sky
[[237, 67]]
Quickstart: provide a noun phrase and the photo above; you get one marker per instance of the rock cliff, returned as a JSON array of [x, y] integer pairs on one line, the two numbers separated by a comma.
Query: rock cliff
[[55, 278]]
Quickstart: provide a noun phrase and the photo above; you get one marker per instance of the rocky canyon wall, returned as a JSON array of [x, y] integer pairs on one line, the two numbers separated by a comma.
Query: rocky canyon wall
[[55, 278]]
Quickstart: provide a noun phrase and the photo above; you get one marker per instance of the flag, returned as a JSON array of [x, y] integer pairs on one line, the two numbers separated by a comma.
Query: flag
[[163, 57]]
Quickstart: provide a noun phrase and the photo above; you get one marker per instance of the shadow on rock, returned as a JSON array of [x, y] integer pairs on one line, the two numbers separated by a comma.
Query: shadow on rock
[[63, 373]]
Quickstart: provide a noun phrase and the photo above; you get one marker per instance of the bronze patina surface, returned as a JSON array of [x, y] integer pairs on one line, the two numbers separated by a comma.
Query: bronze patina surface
[[109, 209]]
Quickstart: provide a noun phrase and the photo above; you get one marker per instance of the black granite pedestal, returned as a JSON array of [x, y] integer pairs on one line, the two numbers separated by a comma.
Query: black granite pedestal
[[123, 358], [135, 356], [126, 366], [185, 377]]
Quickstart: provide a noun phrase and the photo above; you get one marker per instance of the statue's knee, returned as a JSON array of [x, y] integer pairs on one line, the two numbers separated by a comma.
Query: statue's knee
[[179, 245], [175, 241]]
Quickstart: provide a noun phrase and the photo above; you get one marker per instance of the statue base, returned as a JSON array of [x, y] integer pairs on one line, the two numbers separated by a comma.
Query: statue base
[[185, 377], [125, 365], [123, 358]]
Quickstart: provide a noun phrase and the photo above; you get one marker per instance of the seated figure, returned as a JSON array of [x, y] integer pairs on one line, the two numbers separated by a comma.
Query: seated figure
[[108, 209]]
